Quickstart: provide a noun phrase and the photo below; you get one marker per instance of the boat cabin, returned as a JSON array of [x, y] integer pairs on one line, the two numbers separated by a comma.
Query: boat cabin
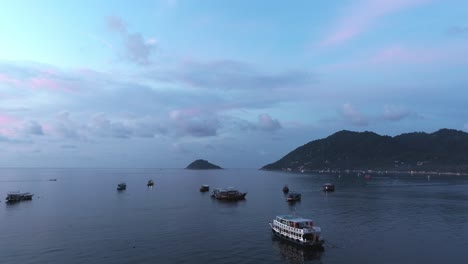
[[204, 188], [328, 187], [296, 222]]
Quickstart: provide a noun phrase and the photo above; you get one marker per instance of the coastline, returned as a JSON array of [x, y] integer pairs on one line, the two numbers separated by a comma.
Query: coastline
[[378, 172]]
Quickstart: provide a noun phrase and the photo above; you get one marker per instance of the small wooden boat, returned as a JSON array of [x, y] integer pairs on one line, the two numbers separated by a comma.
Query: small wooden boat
[[150, 183], [121, 186], [328, 187], [293, 197], [285, 189], [204, 188]]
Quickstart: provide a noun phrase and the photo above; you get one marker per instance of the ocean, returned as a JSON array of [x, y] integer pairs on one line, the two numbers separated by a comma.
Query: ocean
[[82, 218]]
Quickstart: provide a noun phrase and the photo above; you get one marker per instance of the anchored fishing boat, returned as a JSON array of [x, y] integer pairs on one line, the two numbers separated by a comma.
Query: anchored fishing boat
[[204, 188], [298, 230], [150, 183], [328, 187], [17, 196], [121, 186], [293, 197], [228, 194]]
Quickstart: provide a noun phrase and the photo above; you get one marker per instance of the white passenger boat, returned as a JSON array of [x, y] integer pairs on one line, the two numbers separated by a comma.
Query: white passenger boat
[[298, 230]]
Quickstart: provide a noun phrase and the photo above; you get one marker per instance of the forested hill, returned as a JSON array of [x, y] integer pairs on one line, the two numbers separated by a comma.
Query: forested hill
[[443, 151]]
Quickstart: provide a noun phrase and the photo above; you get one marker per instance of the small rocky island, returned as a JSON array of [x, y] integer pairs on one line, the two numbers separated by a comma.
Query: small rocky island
[[203, 165]]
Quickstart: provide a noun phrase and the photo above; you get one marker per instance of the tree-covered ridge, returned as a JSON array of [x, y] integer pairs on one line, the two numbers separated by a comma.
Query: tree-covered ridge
[[445, 150]]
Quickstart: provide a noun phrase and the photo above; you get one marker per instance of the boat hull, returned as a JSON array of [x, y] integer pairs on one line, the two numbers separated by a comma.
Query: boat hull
[[237, 197], [314, 244]]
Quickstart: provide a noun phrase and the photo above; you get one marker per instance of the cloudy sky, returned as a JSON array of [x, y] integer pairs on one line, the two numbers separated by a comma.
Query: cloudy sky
[[240, 83]]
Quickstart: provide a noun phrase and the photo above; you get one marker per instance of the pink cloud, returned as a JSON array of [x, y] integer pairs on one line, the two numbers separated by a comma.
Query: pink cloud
[[9, 80], [181, 114], [399, 54], [362, 16], [265, 122], [8, 125], [6, 120], [449, 54], [47, 128], [45, 80]]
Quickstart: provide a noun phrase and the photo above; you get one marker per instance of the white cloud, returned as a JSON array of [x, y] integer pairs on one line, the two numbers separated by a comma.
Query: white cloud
[[136, 49], [395, 113], [235, 75], [194, 123], [265, 122], [351, 114]]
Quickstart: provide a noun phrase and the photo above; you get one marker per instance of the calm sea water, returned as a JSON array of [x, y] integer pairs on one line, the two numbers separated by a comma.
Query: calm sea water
[[81, 218]]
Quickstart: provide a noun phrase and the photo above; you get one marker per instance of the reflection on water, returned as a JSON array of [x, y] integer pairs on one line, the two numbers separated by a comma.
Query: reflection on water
[[227, 203], [293, 253]]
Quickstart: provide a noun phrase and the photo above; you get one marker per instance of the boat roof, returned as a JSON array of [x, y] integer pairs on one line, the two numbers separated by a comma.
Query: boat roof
[[293, 218], [225, 189], [17, 193]]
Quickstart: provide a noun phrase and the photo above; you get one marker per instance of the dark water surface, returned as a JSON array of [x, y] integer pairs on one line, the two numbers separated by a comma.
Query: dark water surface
[[81, 218]]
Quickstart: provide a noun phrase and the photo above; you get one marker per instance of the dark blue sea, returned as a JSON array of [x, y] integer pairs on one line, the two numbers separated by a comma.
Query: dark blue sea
[[82, 218]]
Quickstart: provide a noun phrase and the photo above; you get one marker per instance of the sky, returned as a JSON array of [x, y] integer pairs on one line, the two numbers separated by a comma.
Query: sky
[[158, 84]]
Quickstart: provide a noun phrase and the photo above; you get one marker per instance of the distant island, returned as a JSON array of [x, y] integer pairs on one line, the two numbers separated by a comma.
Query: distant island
[[203, 165], [444, 151]]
